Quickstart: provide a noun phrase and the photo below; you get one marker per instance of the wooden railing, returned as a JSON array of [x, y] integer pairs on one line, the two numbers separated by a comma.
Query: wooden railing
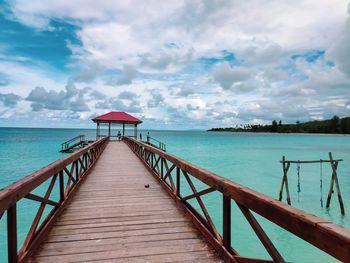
[[66, 174], [72, 142], [156, 143], [170, 171]]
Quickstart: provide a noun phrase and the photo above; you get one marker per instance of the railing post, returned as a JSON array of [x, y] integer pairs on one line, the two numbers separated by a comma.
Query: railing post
[[12, 234], [77, 170], [61, 183], [226, 220], [178, 181]]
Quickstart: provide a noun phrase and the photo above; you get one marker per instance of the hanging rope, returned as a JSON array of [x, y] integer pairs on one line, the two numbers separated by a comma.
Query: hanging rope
[[298, 171], [321, 183]]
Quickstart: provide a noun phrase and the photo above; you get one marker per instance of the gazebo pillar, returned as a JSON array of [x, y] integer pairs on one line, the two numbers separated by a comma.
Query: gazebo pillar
[[115, 117], [97, 130]]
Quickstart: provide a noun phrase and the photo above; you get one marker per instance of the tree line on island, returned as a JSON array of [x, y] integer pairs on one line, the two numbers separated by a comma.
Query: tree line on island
[[335, 125]]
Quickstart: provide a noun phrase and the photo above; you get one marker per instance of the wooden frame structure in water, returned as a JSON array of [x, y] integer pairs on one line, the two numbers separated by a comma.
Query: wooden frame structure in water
[[334, 180]]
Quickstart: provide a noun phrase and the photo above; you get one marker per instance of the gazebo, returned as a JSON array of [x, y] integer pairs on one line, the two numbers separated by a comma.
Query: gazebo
[[116, 117]]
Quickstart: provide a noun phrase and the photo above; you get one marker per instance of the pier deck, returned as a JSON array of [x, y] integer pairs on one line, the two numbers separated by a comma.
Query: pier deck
[[113, 217], [101, 211]]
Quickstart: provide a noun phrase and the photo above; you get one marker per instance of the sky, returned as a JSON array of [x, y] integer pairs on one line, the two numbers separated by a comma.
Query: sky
[[174, 64]]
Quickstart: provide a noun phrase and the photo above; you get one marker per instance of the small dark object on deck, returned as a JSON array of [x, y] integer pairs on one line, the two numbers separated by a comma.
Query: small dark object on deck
[[146, 185]]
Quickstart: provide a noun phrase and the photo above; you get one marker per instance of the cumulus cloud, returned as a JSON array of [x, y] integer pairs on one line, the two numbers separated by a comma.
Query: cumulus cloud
[[341, 49], [69, 99], [156, 100], [128, 74], [127, 95], [124, 101], [88, 73], [97, 95], [227, 76], [9, 99]]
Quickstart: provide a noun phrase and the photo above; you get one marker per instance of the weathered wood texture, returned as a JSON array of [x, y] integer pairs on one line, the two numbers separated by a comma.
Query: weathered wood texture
[[113, 217]]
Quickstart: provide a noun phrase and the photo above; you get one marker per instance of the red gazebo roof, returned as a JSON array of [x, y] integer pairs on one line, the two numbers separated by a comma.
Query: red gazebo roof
[[117, 117]]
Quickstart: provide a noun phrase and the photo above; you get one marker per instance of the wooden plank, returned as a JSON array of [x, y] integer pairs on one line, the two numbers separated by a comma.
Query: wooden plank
[[119, 234], [193, 242], [114, 219], [120, 223], [108, 241], [193, 256], [126, 227], [111, 254]]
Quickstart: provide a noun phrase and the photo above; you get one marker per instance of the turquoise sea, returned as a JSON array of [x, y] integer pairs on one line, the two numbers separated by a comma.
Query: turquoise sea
[[246, 158]]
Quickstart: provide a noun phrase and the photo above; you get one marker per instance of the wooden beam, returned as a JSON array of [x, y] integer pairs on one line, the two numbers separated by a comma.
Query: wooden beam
[[178, 182], [270, 248], [202, 206], [314, 161], [334, 165], [38, 215], [41, 199], [200, 193], [226, 221], [12, 234]]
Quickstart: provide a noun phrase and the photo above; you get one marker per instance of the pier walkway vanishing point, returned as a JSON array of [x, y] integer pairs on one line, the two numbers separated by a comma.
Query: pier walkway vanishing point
[[130, 202]]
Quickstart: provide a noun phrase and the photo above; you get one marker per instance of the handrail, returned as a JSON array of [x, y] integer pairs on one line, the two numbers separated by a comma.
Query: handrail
[[65, 144], [169, 170], [69, 172], [161, 145]]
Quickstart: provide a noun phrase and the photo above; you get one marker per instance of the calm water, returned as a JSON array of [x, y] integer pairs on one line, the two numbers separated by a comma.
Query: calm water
[[249, 159]]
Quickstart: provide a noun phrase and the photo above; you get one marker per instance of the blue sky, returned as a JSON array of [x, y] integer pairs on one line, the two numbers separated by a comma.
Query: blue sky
[[195, 64]]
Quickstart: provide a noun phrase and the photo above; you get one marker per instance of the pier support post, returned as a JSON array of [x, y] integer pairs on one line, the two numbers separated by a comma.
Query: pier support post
[[97, 131], [12, 234], [61, 184], [178, 181], [226, 221]]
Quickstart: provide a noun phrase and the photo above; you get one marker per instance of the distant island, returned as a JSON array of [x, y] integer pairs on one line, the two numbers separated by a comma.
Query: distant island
[[335, 125]]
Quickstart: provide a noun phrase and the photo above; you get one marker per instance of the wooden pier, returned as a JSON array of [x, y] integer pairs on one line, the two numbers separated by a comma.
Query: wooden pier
[[124, 202], [113, 217]]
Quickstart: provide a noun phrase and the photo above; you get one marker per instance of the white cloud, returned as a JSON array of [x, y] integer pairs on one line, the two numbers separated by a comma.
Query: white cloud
[[155, 46], [227, 76], [128, 74]]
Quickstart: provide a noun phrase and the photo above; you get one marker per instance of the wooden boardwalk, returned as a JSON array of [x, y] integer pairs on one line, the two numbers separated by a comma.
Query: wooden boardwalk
[[114, 218]]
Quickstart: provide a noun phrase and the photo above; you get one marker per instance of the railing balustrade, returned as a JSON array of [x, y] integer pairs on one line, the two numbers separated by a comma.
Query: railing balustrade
[[170, 171], [65, 174], [156, 143], [72, 142]]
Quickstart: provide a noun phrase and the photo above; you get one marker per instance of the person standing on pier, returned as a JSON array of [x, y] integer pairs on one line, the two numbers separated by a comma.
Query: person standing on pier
[[140, 136], [119, 135]]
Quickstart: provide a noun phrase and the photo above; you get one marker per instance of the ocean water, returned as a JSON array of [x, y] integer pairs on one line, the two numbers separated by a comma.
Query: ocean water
[[246, 158]]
